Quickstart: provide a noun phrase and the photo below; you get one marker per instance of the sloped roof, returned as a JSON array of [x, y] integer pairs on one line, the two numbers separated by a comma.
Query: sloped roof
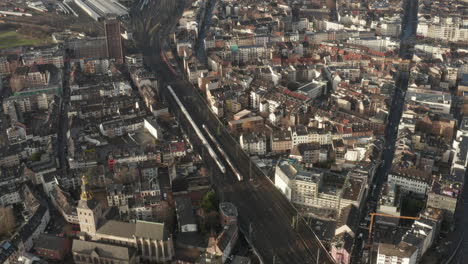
[[117, 228], [102, 250], [229, 233], [152, 230], [349, 216], [50, 242]]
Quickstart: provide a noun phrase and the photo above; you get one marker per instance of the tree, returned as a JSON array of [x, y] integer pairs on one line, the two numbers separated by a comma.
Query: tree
[[209, 201], [7, 221], [36, 156]]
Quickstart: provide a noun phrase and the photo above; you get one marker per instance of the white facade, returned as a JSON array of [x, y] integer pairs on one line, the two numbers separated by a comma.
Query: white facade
[[254, 144], [282, 182], [10, 198], [327, 25], [437, 101], [302, 189], [425, 231], [302, 24], [355, 154], [299, 136], [408, 184], [274, 117], [422, 29], [188, 228], [313, 89], [445, 29], [144, 213], [152, 128], [120, 127], [321, 138], [264, 107], [378, 44], [389, 29], [389, 255]]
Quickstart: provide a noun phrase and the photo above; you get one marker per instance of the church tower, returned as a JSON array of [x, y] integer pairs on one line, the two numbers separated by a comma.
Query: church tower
[[89, 210]]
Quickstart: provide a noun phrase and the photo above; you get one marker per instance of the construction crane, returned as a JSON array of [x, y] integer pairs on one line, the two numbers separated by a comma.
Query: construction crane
[[385, 215]]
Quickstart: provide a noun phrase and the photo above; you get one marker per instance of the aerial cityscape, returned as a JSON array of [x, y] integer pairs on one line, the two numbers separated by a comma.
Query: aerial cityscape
[[233, 131]]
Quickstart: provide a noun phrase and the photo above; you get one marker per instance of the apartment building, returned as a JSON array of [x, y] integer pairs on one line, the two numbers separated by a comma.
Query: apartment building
[[436, 101], [253, 143], [410, 180], [299, 135], [120, 127], [314, 189], [397, 254], [281, 141]]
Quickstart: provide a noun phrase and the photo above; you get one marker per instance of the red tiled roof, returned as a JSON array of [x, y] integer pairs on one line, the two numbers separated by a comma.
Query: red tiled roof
[[295, 95]]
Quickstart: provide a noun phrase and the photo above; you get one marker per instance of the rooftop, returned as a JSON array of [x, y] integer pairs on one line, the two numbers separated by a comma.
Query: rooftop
[[412, 173], [184, 211], [117, 228], [349, 216], [353, 189], [50, 242], [294, 172], [402, 250], [144, 229], [281, 136], [103, 250], [429, 96], [228, 209], [151, 230]]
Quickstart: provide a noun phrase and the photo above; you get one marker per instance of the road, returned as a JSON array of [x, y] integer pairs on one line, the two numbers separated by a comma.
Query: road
[[459, 251], [409, 25], [62, 148], [206, 23], [265, 215]]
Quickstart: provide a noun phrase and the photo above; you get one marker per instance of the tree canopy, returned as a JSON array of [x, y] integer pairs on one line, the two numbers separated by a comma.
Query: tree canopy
[[209, 201]]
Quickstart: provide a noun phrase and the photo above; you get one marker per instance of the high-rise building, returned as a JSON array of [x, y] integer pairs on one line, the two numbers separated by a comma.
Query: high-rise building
[[114, 40]]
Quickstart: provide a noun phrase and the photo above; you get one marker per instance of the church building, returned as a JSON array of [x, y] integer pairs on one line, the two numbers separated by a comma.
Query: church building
[[110, 241]]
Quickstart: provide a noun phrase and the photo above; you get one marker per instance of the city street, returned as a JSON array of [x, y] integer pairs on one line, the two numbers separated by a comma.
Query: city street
[[459, 237], [409, 25], [63, 118]]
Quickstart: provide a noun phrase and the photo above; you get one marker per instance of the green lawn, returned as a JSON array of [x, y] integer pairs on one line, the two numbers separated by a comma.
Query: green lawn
[[10, 39]]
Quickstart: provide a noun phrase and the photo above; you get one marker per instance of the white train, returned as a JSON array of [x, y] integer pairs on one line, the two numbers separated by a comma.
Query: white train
[[9, 13], [228, 160], [197, 130]]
